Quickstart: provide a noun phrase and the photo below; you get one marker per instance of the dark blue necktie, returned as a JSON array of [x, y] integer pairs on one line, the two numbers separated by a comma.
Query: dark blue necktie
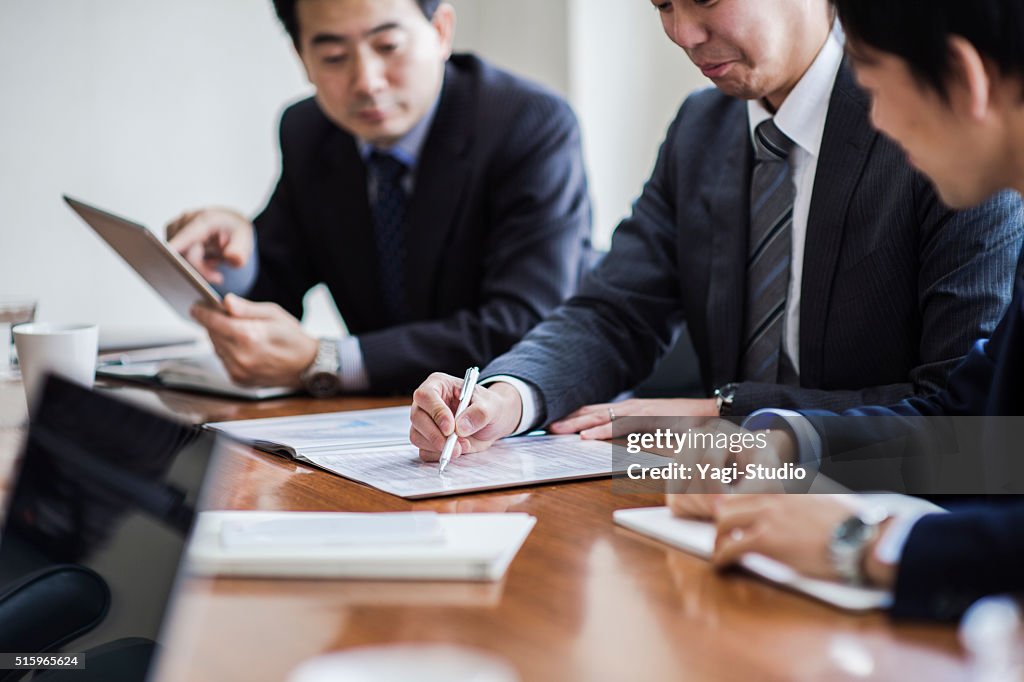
[[768, 256], [389, 208]]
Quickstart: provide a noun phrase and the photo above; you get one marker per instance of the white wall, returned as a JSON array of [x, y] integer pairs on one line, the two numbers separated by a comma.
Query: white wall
[[144, 107], [150, 107]]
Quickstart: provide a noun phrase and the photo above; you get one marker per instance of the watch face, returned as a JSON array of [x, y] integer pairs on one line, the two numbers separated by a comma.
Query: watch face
[[323, 384]]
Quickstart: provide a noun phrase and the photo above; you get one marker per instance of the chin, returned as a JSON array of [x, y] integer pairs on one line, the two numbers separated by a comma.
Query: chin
[[961, 197]]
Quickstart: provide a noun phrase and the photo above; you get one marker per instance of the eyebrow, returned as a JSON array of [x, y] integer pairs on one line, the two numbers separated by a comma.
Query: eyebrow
[[337, 39]]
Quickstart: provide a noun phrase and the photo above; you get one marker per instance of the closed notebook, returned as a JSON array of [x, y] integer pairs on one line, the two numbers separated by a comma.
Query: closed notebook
[[384, 546], [698, 538]]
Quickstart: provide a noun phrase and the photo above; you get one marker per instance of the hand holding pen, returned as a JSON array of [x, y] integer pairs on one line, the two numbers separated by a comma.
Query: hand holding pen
[[443, 414], [468, 386]]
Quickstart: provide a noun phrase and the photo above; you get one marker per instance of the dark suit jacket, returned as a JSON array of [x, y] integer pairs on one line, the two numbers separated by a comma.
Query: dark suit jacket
[[895, 286], [499, 224], [950, 560]]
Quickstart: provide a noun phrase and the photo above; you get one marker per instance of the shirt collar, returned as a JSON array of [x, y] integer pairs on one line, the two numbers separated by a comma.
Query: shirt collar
[[802, 115], [407, 149]]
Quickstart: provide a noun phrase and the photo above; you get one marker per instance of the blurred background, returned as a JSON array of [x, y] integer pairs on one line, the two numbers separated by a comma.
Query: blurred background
[[147, 108]]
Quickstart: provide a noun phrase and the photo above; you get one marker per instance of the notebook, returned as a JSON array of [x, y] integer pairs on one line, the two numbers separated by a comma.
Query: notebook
[[698, 538], [95, 527], [367, 546]]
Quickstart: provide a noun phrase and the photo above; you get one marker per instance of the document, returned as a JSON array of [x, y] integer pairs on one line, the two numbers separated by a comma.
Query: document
[[305, 436], [511, 462]]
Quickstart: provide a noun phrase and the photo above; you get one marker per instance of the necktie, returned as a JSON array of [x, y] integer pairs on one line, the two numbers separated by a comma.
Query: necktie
[[389, 208], [768, 254]]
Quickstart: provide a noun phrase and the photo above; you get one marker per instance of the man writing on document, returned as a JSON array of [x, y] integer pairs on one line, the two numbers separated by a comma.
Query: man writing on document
[[813, 266], [442, 201]]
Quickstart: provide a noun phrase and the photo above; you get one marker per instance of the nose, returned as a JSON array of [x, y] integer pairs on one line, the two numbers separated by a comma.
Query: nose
[[369, 75], [685, 31]]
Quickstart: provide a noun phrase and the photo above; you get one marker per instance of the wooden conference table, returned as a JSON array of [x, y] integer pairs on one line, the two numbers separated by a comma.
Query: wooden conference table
[[583, 600]]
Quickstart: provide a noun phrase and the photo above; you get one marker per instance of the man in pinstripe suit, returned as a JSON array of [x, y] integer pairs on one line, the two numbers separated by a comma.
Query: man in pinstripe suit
[[812, 264]]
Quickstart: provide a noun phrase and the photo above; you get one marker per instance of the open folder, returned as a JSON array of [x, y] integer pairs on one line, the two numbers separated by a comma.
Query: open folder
[[698, 538], [372, 447], [383, 546]]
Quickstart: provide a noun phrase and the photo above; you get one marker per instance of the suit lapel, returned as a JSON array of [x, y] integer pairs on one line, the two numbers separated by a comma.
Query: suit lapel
[[347, 225], [726, 191], [441, 178], [845, 146]]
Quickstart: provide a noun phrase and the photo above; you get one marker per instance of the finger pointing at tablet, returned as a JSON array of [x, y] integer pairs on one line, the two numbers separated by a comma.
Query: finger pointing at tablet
[[211, 237]]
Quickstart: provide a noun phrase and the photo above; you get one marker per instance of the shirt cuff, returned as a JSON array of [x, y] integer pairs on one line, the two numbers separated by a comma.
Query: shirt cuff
[[351, 368], [808, 441], [889, 547], [239, 280], [528, 395]]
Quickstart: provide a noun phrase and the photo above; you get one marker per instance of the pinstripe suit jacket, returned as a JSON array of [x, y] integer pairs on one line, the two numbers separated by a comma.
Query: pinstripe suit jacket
[[896, 287], [497, 236]]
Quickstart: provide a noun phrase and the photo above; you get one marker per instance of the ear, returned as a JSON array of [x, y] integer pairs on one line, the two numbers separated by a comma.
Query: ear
[[444, 24], [970, 70]]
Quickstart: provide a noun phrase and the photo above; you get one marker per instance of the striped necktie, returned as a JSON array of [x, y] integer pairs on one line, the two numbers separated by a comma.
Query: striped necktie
[[389, 208], [768, 254]]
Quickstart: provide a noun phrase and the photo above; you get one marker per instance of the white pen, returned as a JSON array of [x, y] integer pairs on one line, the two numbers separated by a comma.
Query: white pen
[[468, 384]]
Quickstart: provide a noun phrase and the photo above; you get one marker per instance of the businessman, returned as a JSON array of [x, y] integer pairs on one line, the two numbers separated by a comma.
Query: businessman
[[442, 201], [813, 265], [947, 85]]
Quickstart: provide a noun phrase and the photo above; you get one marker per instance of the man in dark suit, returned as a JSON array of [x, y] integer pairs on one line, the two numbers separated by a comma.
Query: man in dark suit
[[813, 266], [946, 84], [442, 201]]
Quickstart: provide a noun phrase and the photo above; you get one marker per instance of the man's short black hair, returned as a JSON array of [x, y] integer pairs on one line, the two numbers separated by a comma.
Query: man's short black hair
[[286, 13], [918, 32]]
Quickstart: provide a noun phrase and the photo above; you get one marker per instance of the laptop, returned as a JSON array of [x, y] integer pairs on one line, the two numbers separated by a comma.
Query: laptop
[[96, 521]]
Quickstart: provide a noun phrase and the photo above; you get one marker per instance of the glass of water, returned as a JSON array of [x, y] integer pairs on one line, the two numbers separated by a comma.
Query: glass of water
[[13, 310]]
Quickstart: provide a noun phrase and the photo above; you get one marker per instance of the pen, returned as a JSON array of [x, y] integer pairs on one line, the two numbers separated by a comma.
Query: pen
[[468, 384]]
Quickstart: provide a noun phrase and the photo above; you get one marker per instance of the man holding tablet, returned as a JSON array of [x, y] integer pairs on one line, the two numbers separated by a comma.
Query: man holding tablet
[[442, 201]]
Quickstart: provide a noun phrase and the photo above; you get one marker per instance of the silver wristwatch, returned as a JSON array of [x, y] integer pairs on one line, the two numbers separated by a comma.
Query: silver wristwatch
[[321, 378], [724, 398], [849, 543]]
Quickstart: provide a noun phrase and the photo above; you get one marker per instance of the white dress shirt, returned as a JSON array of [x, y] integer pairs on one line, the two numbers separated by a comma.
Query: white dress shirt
[[802, 119]]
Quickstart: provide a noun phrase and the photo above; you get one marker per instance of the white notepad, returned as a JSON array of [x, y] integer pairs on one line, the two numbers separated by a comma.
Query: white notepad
[[698, 538], [424, 546]]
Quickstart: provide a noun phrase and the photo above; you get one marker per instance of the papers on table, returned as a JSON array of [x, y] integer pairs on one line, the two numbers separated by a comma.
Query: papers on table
[[303, 436], [419, 545], [698, 538], [511, 462], [372, 447]]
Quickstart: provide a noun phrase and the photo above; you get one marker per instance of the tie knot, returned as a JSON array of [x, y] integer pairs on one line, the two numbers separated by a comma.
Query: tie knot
[[385, 166], [770, 143]]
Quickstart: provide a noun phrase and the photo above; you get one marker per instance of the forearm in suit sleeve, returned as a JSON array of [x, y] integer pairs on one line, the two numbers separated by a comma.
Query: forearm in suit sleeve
[[532, 261], [967, 264], [608, 337], [951, 560]]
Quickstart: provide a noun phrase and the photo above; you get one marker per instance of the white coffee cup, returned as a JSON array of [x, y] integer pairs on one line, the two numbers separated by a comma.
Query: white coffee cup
[[65, 349]]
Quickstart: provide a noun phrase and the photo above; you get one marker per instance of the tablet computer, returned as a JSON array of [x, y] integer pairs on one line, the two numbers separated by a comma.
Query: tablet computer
[[163, 269]]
